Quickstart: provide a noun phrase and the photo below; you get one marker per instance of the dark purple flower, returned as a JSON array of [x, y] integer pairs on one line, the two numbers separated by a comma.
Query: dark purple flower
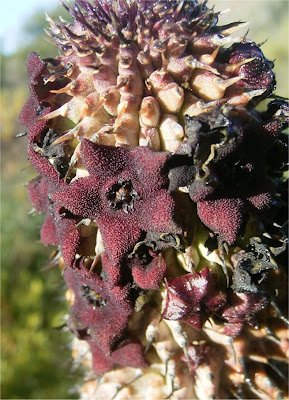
[[33, 108], [58, 227], [98, 313], [191, 297], [224, 173], [40, 101], [128, 354], [241, 309], [148, 272], [125, 193], [256, 74]]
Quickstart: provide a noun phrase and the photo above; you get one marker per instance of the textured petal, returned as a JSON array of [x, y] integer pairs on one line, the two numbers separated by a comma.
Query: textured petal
[[42, 165], [119, 235], [112, 271], [222, 216], [97, 310], [261, 200], [81, 197], [149, 166], [37, 192], [30, 111], [48, 234], [100, 362], [157, 214], [149, 276], [103, 160], [130, 354], [68, 238]]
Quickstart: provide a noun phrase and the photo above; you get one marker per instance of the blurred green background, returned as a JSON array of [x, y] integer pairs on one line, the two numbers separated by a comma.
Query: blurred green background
[[36, 359]]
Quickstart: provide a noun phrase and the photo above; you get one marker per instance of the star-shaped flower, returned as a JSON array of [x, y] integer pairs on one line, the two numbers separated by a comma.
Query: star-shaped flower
[[224, 173], [125, 193], [98, 313], [58, 228], [241, 308], [190, 297]]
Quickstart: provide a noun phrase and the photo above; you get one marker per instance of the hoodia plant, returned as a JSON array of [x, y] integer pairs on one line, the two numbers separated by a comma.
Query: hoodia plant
[[164, 191]]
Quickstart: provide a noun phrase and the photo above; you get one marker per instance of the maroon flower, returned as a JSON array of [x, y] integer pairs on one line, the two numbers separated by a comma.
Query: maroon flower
[[190, 297], [33, 107], [148, 269], [58, 227], [98, 313], [147, 272], [256, 74], [223, 216], [41, 100], [128, 354], [241, 308], [125, 193], [225, 175]]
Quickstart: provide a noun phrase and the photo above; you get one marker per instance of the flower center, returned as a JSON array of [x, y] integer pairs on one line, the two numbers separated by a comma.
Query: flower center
[[92, 297], [121, 195]]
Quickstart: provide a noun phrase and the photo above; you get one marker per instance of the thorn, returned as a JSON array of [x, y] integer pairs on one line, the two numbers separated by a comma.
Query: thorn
[[94, 262], [101, 101], [62, 20], [65, 89], [48, 32], [209, 58], [263, 42], [231, 28], [121, 112], [60, 112], [26, 166], [48, 19], [254, 93], [164, 62], [246, 34], [67, 136], [193, 63], [225, 83], [227, 10], [232, 67], [217, 41], [279, 312], [60, 327], [178, 9]]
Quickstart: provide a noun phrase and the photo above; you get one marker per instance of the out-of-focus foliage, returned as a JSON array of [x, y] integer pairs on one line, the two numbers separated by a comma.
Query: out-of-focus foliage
[[36, 360]]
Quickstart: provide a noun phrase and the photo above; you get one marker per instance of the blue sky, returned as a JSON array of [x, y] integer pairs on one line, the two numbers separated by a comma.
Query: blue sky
[[12, 13]]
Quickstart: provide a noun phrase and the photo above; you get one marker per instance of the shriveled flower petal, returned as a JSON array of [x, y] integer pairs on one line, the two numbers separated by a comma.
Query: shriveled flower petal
[[191, 296]]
